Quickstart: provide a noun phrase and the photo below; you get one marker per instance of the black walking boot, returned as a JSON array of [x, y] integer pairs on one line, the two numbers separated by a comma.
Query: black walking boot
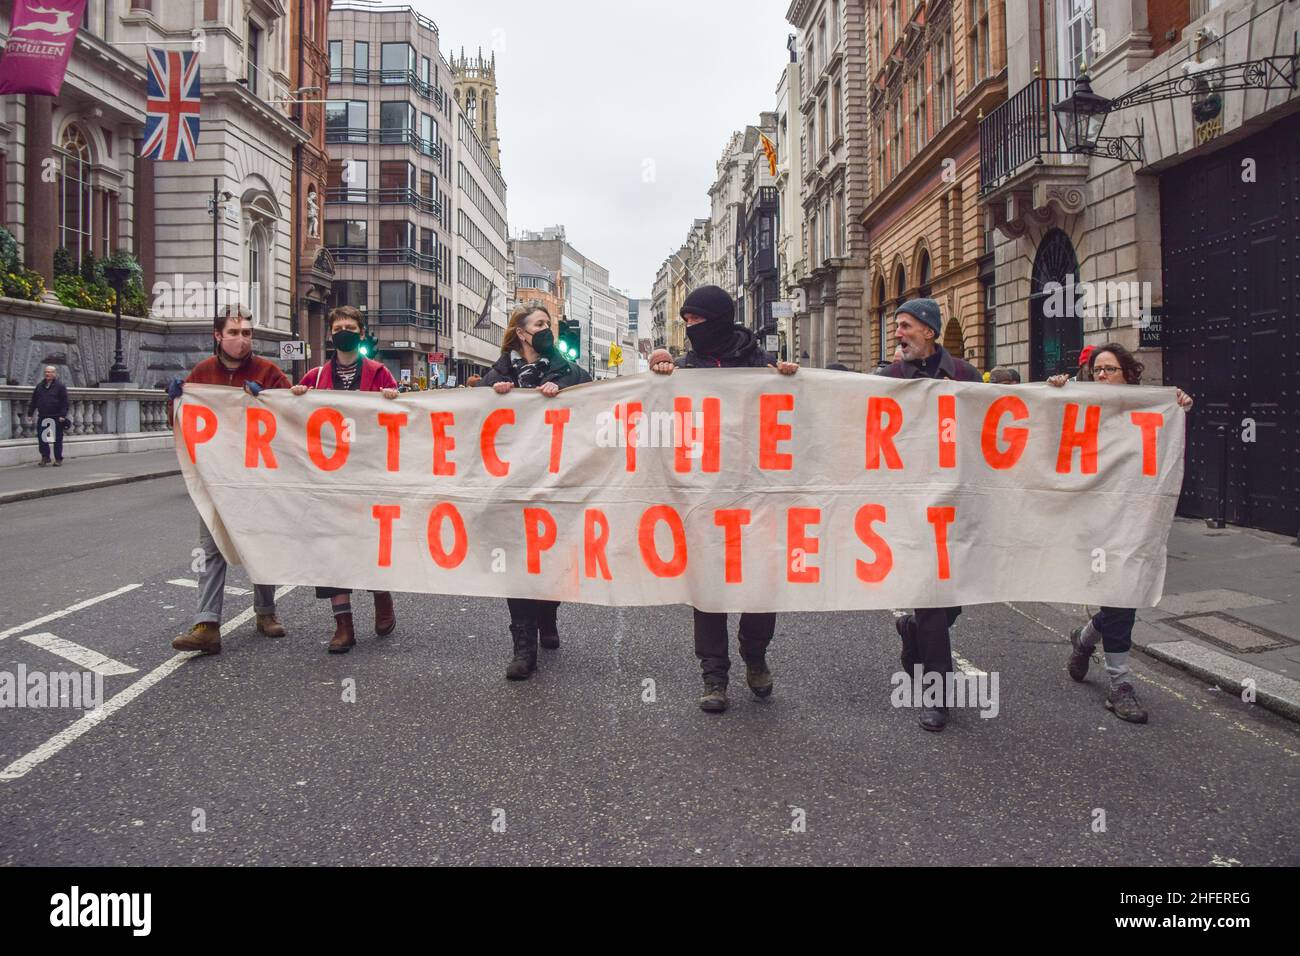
[[906, 628], [1080, 655], [758, 677], [524, 663]]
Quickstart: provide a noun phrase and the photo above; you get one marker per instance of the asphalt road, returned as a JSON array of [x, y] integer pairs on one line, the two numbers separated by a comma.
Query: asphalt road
[[441, 760]]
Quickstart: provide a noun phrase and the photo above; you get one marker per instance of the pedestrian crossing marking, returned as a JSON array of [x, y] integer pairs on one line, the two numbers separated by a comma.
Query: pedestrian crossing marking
[[80, 605], [81, 656], [191, 583]]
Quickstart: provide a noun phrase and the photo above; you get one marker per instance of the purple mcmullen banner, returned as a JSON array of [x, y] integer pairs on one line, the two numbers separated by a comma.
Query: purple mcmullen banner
[[40, 42]]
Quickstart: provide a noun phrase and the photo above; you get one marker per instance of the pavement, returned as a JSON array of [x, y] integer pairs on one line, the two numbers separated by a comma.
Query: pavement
[[21, 482], [414, 749]]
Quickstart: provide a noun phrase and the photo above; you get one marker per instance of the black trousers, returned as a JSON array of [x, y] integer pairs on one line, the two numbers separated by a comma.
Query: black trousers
[[1116, 626], [930, 643], [531, 611], [756, 630], [58, 437]]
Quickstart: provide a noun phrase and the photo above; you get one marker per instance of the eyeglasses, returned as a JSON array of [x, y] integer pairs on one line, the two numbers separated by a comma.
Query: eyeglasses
[[1107, 369]]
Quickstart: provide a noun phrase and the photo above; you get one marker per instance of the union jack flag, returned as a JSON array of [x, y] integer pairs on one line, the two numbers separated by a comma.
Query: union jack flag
[[171, 125]]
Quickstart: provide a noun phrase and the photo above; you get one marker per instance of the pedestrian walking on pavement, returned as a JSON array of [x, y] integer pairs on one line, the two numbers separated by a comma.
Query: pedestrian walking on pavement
[[49, 409], [234, 365], [529, 359], [349, 370], [1111, 364], [718, 342], [925, 632]]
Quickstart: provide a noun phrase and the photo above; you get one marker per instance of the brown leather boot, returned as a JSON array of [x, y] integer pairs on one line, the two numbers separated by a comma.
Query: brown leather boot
[[205, 637], [270, 625], [344, 639], [385, 616]]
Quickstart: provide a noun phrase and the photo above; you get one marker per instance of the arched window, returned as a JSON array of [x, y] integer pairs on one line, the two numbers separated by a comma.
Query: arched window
[[900, 283], [923, 276], [75, 198], [471, 109], [256, 272]]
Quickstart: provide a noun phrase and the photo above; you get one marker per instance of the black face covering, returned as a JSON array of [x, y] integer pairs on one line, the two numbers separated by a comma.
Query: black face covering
[[710, 336], [543, 341]]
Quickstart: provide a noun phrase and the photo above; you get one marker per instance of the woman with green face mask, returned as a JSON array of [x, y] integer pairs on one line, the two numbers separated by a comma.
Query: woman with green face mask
[[348, 370], [529, 359]]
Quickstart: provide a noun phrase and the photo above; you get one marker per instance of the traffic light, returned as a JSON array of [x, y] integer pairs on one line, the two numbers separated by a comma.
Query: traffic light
[[570, 344], [369, 346]]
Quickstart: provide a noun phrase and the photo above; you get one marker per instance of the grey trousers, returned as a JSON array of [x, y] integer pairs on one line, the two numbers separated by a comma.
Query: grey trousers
[[212, 583]]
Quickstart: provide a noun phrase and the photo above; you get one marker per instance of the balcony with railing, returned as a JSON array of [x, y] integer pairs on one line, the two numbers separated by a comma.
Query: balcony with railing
[[383, 137], [412, 317], [399, 256], [397, 195], [361, 76], [1024, 163]]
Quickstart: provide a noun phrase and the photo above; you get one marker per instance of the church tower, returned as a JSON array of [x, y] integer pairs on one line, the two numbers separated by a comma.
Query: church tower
[[475, 88]]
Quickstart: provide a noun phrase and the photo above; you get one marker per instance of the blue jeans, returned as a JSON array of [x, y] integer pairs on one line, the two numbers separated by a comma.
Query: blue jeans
[[1116, 627]]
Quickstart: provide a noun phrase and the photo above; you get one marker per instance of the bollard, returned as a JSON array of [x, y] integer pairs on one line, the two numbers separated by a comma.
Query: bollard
[[1222, 520]]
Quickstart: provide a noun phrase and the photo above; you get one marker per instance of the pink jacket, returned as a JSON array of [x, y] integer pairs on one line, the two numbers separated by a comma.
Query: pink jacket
[[375, 377]]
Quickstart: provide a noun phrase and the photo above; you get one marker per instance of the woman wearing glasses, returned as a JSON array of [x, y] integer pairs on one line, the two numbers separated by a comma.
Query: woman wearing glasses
[[1112, 364]]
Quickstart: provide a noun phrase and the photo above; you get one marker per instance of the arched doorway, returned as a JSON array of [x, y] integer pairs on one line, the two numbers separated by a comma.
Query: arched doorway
[[1056, 340], [954, 343]]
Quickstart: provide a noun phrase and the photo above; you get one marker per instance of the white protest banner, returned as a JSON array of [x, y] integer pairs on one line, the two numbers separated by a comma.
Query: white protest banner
[[730, 490]]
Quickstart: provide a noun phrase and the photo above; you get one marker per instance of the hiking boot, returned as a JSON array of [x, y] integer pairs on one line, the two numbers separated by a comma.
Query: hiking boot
[[549, 641], [906, 628], [524, 663], [344, 638], [759, 678], [934, 718], [714, 699], [204, 636], [385, 616], [44, 462], [59, 463], [270, 625], [1080, 655], [1122, 701]]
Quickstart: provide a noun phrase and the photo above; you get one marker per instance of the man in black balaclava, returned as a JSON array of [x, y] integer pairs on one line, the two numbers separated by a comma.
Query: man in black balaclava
[[717, 342]]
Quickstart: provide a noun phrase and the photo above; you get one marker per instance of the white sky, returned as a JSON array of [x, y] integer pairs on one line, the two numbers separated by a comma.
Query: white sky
[[590, 93]]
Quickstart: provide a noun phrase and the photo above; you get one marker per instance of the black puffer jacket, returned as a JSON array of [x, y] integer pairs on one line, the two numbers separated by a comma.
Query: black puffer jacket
[[562, 373], [743, 351]]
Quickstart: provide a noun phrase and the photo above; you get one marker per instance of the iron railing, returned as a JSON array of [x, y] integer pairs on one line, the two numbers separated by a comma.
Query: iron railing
[[399, 256], [384, 196], [383, 137], [413, 317], [364, 77], [1022, 130]]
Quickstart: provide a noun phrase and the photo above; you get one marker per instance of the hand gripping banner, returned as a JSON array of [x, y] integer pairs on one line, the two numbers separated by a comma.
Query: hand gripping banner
[[730, 490]]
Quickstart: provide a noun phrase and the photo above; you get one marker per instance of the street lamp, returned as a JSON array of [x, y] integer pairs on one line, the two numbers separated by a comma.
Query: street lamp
[[1082, 116], [117, 277]]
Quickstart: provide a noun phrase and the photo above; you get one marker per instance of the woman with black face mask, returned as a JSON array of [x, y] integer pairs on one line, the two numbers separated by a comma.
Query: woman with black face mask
[[529, 359]]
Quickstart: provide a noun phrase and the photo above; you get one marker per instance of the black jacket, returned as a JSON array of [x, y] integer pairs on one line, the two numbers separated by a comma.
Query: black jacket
[[959, 370], [50, 400], [562, 373], [743, 351]]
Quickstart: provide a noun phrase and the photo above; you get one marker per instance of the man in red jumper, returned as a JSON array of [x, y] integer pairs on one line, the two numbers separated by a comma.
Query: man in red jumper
[[349, 370], [235, 365]]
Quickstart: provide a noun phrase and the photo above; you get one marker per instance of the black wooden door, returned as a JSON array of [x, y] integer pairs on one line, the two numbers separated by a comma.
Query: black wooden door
[[1055, 330], [1230, 226]]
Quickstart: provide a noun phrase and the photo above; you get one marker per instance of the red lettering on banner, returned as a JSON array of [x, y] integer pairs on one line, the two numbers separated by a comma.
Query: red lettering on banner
[[1150, 423], [685, 434], [557, 418], [772, 430], [259, 429], [539, 536], [191, 414], [797, 521], [880, 437], [1016, 438], [446, 511], [941, 518], [879, 569], [394, 422], [630, 416], [318, 420], [495, 421], [595, 535], [731, 520], [947, 431], [1085, 441], [646, 538], [442, 442], [385, 515]]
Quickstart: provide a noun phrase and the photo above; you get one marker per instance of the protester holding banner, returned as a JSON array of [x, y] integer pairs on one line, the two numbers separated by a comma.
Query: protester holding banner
[[234, 365], [1111, 364], [529, 359], [717, 342], [926, 641], [349, 370]]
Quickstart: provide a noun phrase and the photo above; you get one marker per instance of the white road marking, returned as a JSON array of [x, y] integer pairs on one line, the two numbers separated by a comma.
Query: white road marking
[[966, 665], [191, 583], [81, 656], [96, 717], [79, 606]]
